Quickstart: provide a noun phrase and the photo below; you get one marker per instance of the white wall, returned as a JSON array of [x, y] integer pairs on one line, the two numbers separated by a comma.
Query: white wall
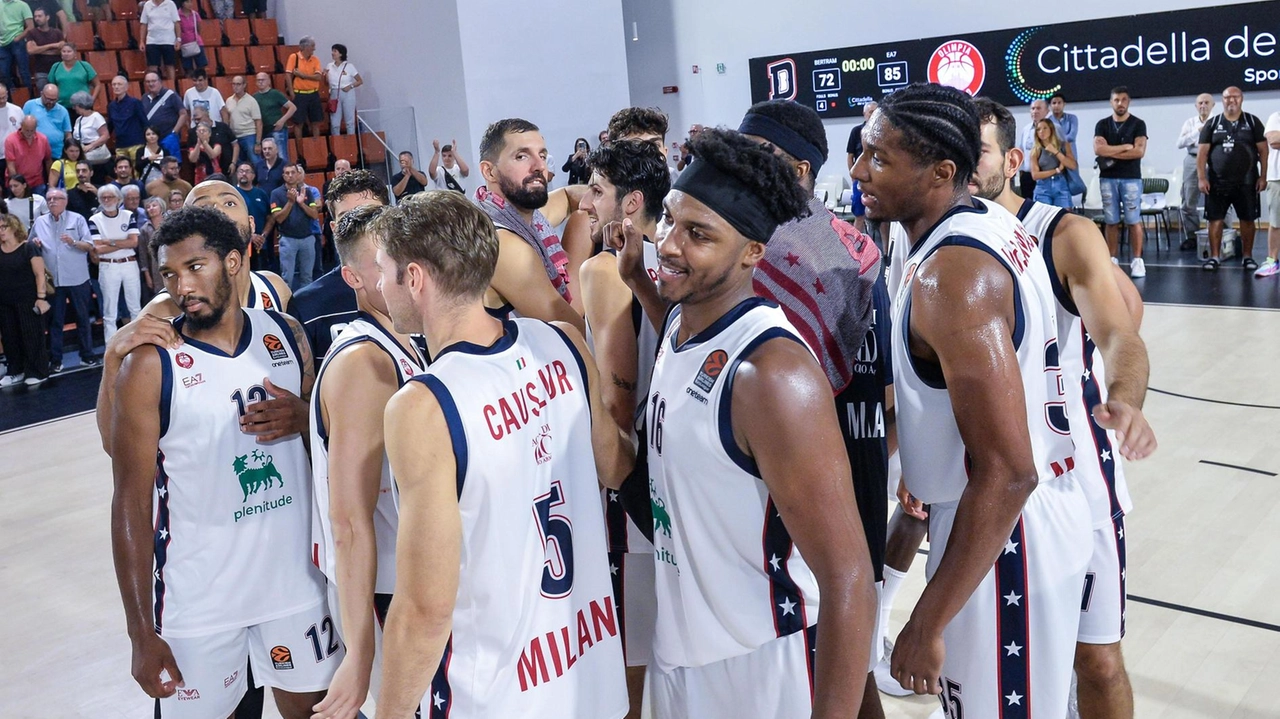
[[707, 32]]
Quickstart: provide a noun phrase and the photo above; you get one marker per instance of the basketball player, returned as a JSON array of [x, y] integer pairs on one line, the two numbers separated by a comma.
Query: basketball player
[[981, 422], [502, 580], [648, 124], [513, 162], [209, 528], [354, 531], [628, 180], [325, 306], [278, 415], [1105, 363], [744, 444]]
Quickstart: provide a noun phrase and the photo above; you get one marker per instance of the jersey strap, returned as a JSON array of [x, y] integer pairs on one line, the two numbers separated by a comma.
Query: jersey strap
[[1046, 250], [725, 410], [453, 420]]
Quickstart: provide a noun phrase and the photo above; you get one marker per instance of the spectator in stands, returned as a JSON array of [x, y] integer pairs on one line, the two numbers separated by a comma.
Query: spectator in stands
[[254, 8], [24, 300], [65, 244], [126, 118], [1068, 125], [152, 216], [447, 168], [258, 204], [242, 113], [201, 95], [100, 10], [27, 152], [15, 23], [270, 169], [164, 111], [147, 168], [343, 78], [62, 172], [83, 198], [190, 43], [1026, 183], [303, 76], [576, 165], [409, 180], [124, 174], [1232, 145], [1189, 140], [89, 128], [176, 200], [220, 135], [163, 27], [52, 119], [23, 203], [853, 148], [10, 120], [60, 12], [1051, 160], [205, 153], [1270, 267], [1119, 142], [114, 231], [44, 46], [169, 181], [294, 206], [73, 75], [224, 9], [276, 112]]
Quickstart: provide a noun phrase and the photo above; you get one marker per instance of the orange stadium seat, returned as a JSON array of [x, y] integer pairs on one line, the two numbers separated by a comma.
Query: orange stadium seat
[[344, 147], [138, 32], [19, 96], [315, 152], [372, 150], [223, 85], [280, 82], [237, 31], [185, 84], [261, 58], [283, 52], [211, 32], [232, 61], [81, 33], [114, 35], [133, 63], [293, 150], [105, 62], [316, 180], [265, 31], [124, 9]]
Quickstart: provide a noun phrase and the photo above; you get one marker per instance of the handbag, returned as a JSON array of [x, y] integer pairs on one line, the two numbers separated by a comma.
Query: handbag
[[191, 49], [332, 105], [1075, 183]]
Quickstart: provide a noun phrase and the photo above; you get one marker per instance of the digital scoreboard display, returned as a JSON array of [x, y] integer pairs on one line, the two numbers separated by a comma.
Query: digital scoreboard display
[[1156, 55]]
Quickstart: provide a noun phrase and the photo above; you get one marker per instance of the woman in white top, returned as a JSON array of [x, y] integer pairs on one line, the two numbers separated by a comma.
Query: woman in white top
[[344, 78], [24, 205], [89, 128]]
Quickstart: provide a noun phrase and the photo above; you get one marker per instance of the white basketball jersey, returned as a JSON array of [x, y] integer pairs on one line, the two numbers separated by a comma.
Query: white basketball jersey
[[729, 579], [1098, 466], [262, 294], [624, 535], [934, 461], [535, 632], [408, 363], [233, 524]]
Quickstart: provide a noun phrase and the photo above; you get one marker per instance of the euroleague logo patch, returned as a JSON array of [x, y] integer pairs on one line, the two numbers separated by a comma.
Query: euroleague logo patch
[[267, 304], [184, 360], [275, 347], [281, 657], [958, 64], [711, 368]]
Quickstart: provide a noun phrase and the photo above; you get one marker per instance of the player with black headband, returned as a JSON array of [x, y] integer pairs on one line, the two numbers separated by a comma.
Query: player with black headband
[[826, 277], [754, 512], [982, 423]]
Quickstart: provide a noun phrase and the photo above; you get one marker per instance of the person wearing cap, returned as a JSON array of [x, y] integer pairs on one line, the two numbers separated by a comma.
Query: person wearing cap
[[755, 521]]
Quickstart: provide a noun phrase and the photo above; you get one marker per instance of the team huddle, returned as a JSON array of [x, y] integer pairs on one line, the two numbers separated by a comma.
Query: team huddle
[[546, 478]]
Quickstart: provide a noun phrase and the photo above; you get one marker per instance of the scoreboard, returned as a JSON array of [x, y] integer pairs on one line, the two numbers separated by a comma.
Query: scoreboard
[[1155, 55]]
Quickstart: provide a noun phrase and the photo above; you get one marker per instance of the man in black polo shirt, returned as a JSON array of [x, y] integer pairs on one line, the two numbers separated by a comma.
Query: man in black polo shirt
[[294, 205], [1232, 146]]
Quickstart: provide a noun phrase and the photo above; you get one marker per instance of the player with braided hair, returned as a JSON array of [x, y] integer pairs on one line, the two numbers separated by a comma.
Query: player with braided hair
[[982, 423]]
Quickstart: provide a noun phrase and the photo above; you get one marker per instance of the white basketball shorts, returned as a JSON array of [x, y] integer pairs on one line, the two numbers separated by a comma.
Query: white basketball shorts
[[1103, 603]]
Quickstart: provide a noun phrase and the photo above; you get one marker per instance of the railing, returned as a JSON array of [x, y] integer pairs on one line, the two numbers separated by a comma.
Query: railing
[[384, 133]]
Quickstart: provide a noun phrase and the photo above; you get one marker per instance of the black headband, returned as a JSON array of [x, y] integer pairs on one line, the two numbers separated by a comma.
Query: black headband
[[727, 197], [782, 137]]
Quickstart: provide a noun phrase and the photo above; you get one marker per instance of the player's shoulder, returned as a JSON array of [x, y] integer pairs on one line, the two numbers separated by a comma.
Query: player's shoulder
[[278, 284], [358, 355], [414, 403], [162, 305], [781, 365]]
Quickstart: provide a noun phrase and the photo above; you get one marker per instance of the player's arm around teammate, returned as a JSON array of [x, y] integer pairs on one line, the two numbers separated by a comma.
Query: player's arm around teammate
[[783, 416], [521, 280], [608, 305], [611, 444], [352, 410], [972, 342], [134, 445], [1095, 288]]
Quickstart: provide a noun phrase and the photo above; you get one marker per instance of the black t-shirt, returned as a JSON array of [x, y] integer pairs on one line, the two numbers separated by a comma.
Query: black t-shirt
[[412, 188], [1233, 149], [1120, 133], [855, 142], [44, 62], [17, 280], [82, 203], [324, 307]]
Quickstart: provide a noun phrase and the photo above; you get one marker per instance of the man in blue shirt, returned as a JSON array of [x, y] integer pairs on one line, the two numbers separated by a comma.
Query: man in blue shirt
[[65, 243], [270, 169], [165, 113], [1068, 125], [52, 119], [293, 206], [126, 119], [259, 206]]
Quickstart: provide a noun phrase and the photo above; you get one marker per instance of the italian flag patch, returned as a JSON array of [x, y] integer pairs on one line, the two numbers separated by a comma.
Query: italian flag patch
[[520, 363]]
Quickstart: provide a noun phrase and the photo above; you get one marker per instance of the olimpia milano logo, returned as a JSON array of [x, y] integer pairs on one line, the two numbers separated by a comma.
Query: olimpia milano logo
[[1013, 69], [257, 471]]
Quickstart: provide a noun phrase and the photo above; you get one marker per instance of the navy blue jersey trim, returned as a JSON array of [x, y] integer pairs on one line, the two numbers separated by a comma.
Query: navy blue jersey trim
[[510, 331], [1091, 396], [784, 593], [453, 420], [501, 313], [582, 365], [976, 208], [411, 350], [439, 699], [315, 387], [721, 324], [161, 539], [1025, 208], [166, 389], [724, 411], [1019, 320], [930, 373], [1012, 628], [1046, 250], [246, 334]]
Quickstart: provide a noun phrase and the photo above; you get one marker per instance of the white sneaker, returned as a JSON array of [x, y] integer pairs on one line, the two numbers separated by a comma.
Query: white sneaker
[[35, 381], [1137, 268], [884, 680], [10, 380]]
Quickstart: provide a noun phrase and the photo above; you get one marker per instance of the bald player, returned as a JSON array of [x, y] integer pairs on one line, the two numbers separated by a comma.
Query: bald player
[[282, 415]]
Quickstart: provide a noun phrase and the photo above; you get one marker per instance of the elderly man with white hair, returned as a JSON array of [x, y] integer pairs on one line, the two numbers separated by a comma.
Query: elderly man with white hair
[[114, 231], [64, 242]]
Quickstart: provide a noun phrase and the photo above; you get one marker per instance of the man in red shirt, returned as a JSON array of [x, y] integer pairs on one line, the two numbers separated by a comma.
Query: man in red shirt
[[27, 153]]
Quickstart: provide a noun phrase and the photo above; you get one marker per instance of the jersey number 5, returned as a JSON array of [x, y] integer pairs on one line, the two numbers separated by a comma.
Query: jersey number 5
[[1055, 410], [557, 542]]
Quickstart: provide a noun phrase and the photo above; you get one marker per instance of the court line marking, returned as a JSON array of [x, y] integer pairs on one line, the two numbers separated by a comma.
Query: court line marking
[[1214, 401], [1236, 466], [1187, 610], [1210, 307], [47, 421]]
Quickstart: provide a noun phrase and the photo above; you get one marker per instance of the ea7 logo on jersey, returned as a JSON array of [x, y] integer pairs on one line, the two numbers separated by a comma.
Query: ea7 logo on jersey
[[711, 368], [782, 79], [193, 380], [275, 347]]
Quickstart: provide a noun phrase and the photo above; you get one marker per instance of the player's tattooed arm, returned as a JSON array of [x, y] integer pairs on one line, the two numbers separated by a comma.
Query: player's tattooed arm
[[307, 359], [622, 383], [608, 303], [285, 413], [611, 444]]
